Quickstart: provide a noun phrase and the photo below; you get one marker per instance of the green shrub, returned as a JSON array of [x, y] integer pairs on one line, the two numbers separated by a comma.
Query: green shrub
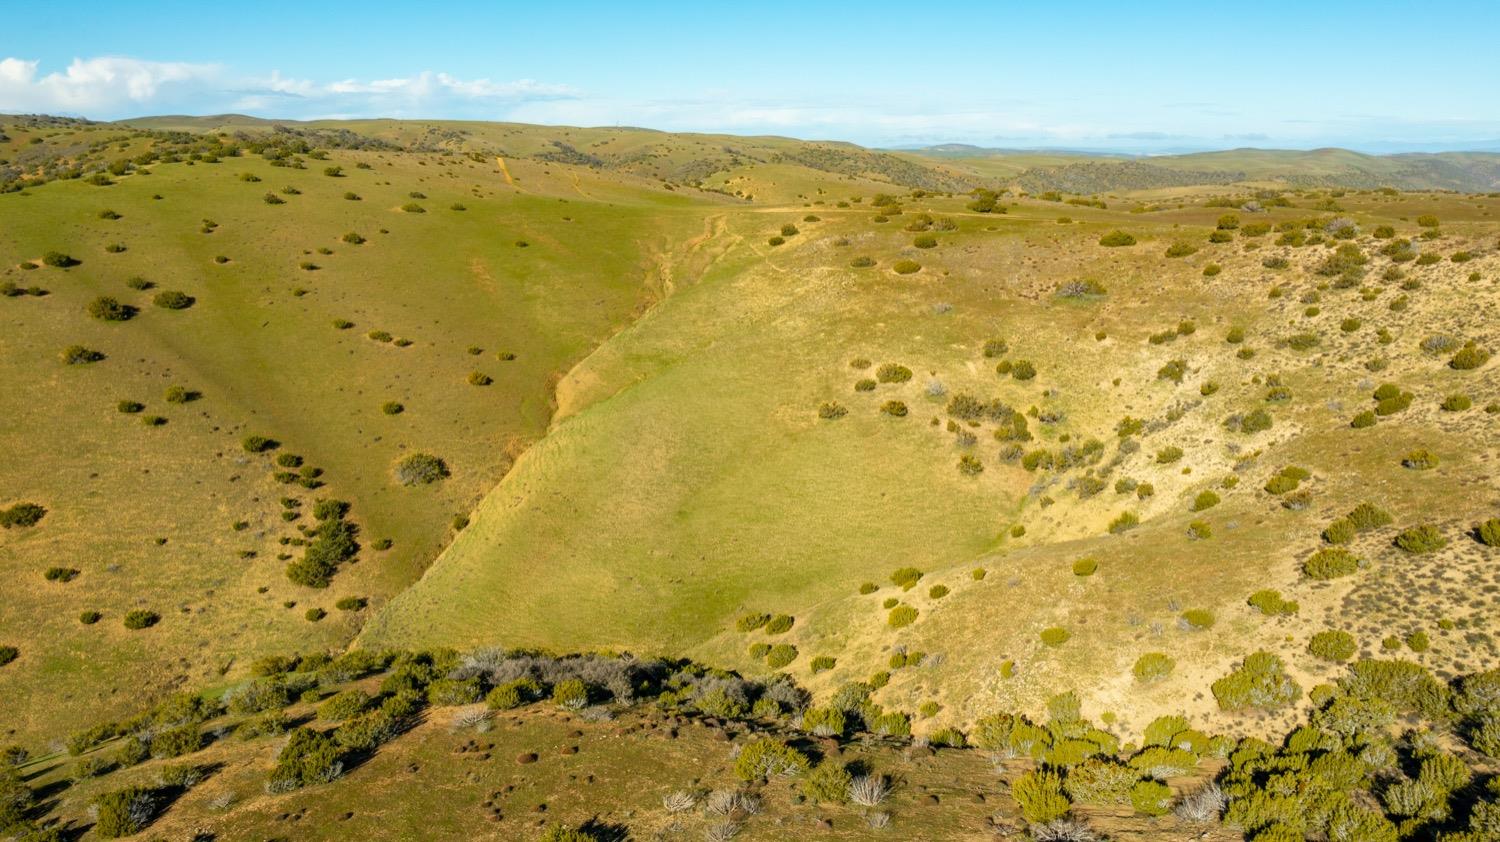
[[906, 577], [571, 694], [1421, 539], [1259, 682], [905, 267], [752, 621], [259, 444], [107, 309], [123, 812], [140, 618], [1270, 603], [827, 783], [1151, 798], [1153, 666], [1039, 794], [780, 655], [1489, 532], [1085, 567], [1341, 531], [1456, 403], [901, 616], [1333, 645], [1055, 636], [22, 514], [308, 758], [1331, 563], [345, 705], [1125, 522], [780, 624], [1205, 500], [175, 742], [420, 469], [59, 260], [1367, 516], [765, 758], [1115, 239], [1469, 357], [1198, 618]]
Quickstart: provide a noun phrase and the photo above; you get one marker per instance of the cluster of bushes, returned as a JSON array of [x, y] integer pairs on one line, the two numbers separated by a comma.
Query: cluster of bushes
[[331, 543]]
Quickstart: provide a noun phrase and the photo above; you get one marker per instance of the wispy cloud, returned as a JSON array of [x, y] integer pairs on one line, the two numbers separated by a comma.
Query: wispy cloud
[[95, 84], [111, 86]]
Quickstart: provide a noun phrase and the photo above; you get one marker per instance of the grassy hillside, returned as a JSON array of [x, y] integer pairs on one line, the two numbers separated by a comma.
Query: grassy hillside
[[796, 411], [179, 519]]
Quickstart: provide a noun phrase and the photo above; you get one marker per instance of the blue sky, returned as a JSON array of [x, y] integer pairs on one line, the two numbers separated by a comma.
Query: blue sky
[[1143, 77]]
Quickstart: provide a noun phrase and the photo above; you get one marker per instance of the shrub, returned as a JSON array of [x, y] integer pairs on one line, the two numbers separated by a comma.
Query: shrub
[[1205, 500], [1023, 370], [259, 444], [107, 309], [969, 465], [1115, 239], [829, 782], [1153, 666], [140, 618], [901, 616], [1270, 603], [1181, 249], [1198, 618], [1367, 516], [1489, 532], [421, 469], [752, 621], [175, 742], [1055, 636], [906, 267], [1469, 357], [1419, 460], [1332, 645], [765, 758], [413, 207], [906, 577], [1125, 522], [23, 515], [513, 694], [1259, 682], [1151, 798], [8, 654], [79, 355], [309, 757], [1456, 403], [1421, 539], [893, 373], [123, 812], [1085, 567], [862, 262], [59, 260], [1039, 794], [1341, 531], [780, 624], [780, 655], [1331, 563]]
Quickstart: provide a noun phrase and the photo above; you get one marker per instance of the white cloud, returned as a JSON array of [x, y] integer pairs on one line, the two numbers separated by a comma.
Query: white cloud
[[427, 94], [95, 84]]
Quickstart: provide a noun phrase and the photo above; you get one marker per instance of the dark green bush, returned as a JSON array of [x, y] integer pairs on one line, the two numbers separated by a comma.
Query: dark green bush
[[107, 309], [1331, 563], [79, 355], [22, 515], [1421, 539], [173, 300], [308, 758], [123, 812], [259, 444], [140, 618]]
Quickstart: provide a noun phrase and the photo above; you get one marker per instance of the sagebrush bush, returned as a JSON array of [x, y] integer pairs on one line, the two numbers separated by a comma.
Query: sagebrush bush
[[1421, 539], [780, 655], [1331, 563], [902, 616], [108, 309], [1115, 239], [1153, 666], [1039, 794], [140, 618], [421, 469], [1259, 682], [1270, 603], [765, 758]]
